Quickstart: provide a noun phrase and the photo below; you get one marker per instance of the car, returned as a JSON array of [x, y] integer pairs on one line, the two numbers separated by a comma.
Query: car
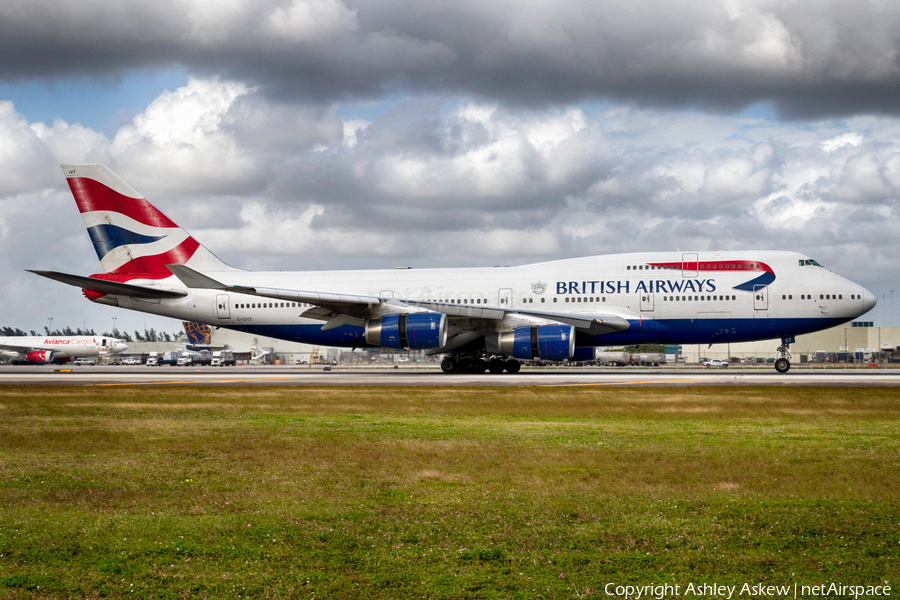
[[84, 361], [715, 363], [131, 361]]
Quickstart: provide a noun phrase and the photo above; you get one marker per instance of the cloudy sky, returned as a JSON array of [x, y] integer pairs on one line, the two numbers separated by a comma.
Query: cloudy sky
[[321, 134]]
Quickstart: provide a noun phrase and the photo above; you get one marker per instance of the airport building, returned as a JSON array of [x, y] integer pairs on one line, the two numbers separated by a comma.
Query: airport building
[[854, 342]]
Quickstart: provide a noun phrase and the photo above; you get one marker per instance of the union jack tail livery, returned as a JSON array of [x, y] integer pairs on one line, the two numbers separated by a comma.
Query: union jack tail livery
[[132, 238]]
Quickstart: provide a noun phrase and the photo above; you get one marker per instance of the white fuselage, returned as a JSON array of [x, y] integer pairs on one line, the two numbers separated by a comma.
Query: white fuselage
[[692, 297]]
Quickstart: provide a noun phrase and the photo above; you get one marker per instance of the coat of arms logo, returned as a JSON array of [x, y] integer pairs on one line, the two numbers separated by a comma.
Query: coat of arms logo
[[538, 287]]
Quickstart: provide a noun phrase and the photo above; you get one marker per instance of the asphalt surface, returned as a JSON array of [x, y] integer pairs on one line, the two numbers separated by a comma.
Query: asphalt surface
[[409, 376]]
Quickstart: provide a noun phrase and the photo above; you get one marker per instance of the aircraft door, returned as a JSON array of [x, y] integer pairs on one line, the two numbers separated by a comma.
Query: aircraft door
[[222, 309], [689, 264], [760, 297], [506, 298], [646, 302]]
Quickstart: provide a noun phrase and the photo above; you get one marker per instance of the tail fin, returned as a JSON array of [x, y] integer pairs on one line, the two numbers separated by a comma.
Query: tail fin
[[198, 333], [130, 235]]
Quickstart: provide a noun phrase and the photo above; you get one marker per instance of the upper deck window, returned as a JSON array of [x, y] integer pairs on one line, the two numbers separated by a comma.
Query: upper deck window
[[808, 262]]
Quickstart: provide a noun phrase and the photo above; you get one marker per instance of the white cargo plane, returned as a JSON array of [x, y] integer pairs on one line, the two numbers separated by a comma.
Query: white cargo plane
[[480, 318], [58, 349]]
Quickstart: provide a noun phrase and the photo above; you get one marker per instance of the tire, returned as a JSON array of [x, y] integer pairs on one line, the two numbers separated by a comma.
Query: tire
[[449, 365], [513, 366], [496, 366], [477, 366], [782, 365]]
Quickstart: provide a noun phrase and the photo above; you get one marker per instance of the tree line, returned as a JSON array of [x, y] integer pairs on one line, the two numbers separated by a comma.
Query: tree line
[[149, 335]]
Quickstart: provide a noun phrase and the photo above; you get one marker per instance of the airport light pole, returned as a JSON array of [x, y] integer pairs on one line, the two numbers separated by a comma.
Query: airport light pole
[[50, 329], [114, 326]]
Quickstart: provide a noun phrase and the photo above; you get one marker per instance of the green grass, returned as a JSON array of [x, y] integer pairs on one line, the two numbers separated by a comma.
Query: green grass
[[292, 492]]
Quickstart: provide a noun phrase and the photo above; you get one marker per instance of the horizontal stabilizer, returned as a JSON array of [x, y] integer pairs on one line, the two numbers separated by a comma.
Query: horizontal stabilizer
[[109, 287]]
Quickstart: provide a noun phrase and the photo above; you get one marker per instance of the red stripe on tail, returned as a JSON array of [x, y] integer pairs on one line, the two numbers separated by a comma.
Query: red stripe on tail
[[91, 195]]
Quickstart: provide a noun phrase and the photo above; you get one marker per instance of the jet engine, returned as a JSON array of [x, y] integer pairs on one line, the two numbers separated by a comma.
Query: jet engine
[[414, 330], [39, 356], [551, 342]]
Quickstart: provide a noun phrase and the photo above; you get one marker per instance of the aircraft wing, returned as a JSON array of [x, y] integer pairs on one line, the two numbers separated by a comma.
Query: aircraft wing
[[330, 305], [109, 287], [340, 309], [19, 349], [593, 323]]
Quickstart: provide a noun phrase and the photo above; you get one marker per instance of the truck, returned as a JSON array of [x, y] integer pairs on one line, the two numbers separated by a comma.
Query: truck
[[223, 358], [157, 359], [190, 358], [648, 359], [622, 358], [613, 359]]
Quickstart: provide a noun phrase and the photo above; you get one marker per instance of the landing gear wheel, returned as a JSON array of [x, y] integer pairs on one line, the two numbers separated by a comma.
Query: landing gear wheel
[[513, 366], [477, 366], [496, 366], [449, 365], [782, 365]]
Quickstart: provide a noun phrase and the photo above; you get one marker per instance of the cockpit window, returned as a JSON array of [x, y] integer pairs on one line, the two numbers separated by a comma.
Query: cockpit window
[[808, 262]]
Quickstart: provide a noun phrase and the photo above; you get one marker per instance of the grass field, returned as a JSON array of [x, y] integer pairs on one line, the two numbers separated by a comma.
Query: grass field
[[287, 492]]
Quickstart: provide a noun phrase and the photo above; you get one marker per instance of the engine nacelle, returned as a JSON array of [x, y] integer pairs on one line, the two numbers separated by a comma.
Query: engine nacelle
[[550, 342], [414, 330], [39, 356]]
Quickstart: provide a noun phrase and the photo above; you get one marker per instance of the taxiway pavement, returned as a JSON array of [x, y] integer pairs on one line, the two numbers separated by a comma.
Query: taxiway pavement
[[345, 376]]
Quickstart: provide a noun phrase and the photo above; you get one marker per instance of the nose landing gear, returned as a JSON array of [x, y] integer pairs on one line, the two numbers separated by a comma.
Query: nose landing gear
[[783, 363]]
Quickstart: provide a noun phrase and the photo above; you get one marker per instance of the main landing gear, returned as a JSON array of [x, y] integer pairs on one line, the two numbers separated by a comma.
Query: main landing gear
[[479, 364], [783, 363]]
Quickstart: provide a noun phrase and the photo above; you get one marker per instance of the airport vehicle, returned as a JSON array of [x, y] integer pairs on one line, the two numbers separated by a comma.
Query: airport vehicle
[[57, 349], [131, 361], [715, 362], [479, 318], [170, 357], [87, 362], [648, 359], [622, 358], [189, 358], [223, 358]]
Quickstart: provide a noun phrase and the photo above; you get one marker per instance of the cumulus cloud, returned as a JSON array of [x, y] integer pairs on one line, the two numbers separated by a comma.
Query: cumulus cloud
[[824, 57]]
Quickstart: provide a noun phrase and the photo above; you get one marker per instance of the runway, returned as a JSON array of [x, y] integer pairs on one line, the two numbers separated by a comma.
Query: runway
[[345, 376]]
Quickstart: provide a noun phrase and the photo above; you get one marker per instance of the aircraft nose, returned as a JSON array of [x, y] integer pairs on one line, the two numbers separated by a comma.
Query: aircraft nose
[[869, 301]]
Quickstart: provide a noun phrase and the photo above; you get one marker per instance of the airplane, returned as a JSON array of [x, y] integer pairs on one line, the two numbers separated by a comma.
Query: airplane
[[480, 319], [56, 349]]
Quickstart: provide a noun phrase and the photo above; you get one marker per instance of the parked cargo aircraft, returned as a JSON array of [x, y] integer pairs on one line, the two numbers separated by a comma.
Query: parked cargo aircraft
[[59, 349], [480, 318]]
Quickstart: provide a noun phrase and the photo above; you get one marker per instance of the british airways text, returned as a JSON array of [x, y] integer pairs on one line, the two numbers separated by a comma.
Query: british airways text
[[659, 286]]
